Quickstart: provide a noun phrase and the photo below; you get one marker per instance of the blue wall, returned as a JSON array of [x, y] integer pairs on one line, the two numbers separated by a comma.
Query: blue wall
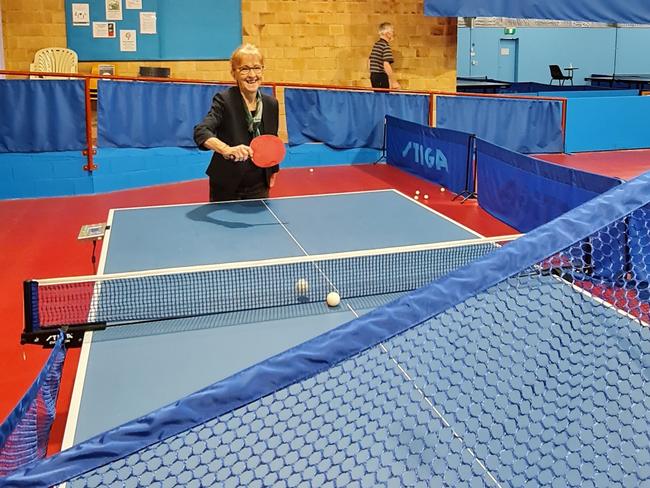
[[590, 49]]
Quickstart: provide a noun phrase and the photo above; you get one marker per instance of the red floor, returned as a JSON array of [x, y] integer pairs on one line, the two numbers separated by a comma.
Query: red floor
[[625, 165], [39, 240]]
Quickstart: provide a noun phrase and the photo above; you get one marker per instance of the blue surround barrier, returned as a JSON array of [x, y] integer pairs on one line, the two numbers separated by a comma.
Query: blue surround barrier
[[145, 115], [607, 123], [438, 155], [42, 115], [589, 93], [526, 126], [534, 87], [40, 151], [345, 120], [525, 192]]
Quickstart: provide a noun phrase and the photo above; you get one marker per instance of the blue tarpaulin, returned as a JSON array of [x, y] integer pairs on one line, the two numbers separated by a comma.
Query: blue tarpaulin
[[437, 155], [525, 192], [345, 120], [42, 115], [621, 11], [526, 126]]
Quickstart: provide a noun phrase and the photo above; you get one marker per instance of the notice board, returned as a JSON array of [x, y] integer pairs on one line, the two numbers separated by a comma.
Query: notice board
[[123, 30]]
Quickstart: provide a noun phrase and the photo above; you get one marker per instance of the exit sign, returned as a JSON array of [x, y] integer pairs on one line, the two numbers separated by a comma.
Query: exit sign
[[509, 31]]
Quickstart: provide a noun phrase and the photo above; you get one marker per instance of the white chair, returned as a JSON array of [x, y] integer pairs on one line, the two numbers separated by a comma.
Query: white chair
[[54, 60]]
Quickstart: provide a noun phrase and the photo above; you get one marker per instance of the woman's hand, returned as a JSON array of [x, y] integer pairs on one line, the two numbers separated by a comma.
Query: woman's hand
[[237, 153]]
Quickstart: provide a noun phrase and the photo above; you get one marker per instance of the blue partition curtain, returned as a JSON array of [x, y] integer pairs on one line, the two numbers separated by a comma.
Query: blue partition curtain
[[526, 126], [42, 115], [439, 155], [343, 119]]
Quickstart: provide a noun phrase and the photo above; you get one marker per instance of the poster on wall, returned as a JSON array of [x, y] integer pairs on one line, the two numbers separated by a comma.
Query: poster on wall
[[134, 4], [113, 9], [80, 14], [104, 30], [147, 22], [128, 41]]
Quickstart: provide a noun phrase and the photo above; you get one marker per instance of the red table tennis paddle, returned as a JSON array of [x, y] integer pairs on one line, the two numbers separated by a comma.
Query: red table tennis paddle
[[268, 150]]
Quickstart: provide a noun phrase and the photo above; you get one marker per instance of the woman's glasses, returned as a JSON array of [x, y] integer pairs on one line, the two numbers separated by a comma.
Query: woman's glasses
[[247, 70]]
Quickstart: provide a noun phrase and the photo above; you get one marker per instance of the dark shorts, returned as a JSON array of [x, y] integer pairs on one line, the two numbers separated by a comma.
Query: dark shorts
[[379, 80], [217, 194]]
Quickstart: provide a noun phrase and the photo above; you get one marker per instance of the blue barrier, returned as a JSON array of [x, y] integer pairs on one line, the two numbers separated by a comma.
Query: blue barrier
[[439, 155], [530, 87], [527, 126], [525, 192], [607, 123], [42, 115], [146, 115], [343, 119], [589, 93]]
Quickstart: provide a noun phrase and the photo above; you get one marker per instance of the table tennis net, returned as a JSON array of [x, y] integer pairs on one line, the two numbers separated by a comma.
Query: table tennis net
[[188, 292], [25, 432], [528, 367]]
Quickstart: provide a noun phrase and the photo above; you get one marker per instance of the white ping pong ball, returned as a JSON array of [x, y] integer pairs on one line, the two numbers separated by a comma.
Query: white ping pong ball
[[416, 197], [311, 170], [442, 189], [417, 192], [302, 286], [333, 299], [426, 197]]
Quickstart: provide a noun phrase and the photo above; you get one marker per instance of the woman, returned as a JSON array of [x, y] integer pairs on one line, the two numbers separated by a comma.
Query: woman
[[237, 115]]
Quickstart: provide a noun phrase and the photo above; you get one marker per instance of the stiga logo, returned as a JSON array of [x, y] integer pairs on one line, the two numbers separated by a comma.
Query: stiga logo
[[426, 156]]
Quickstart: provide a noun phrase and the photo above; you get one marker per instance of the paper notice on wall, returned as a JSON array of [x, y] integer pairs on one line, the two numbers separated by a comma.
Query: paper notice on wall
[[80, 14], [104, 30], [128, 41], [113, 9], [134, 4], [148, 23]]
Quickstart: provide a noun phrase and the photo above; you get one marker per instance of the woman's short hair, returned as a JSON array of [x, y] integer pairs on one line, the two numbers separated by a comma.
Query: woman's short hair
[[243, 50]]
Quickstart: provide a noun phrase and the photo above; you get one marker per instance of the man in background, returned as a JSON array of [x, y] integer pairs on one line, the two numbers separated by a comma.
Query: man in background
[[381, 59]]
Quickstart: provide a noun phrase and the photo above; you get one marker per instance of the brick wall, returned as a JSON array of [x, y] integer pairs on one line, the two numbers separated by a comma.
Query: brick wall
[[304, 41]]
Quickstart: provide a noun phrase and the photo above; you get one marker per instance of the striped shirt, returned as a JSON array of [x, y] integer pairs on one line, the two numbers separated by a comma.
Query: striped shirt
[[380, 52]]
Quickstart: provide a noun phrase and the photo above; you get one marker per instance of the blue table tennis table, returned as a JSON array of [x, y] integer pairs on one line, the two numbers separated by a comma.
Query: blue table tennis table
[[528, 367], [127, 371]]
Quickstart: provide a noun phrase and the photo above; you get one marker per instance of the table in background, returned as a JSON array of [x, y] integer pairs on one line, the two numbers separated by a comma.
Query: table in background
[[480, 85], [639, 81]]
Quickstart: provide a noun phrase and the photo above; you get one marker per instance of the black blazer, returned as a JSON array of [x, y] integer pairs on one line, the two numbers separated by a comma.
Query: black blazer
[[226, 121]]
